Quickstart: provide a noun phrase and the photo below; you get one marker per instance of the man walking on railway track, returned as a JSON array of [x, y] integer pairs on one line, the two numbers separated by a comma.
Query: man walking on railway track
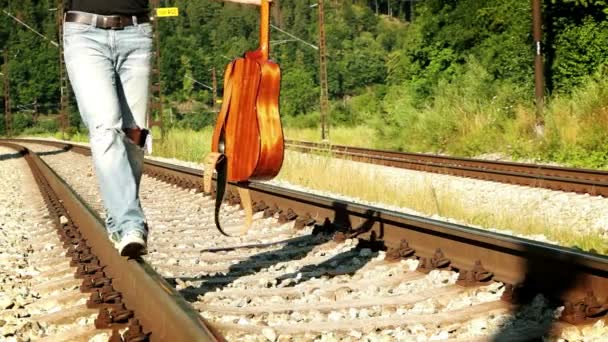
[[107, 50]]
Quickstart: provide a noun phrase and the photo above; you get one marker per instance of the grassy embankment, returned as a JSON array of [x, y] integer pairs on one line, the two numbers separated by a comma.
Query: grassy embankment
[[576, 133]]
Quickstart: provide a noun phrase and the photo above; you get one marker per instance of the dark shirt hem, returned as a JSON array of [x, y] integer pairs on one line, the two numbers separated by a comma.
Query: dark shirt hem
[[138, 13], [109, 7]]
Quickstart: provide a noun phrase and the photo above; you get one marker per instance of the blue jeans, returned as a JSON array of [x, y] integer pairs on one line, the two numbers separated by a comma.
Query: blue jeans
[[109, 71]]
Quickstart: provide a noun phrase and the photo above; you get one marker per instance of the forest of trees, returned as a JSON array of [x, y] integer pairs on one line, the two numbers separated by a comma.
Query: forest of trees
[[389, 60]]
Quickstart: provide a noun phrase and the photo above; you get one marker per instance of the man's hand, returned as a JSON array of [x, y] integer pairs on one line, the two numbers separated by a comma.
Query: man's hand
[[248, 2]]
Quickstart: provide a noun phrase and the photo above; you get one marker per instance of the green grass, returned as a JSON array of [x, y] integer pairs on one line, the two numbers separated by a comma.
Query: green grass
[[369, 184], [457, 123], [469, 118], [361, 136], [182, 144]]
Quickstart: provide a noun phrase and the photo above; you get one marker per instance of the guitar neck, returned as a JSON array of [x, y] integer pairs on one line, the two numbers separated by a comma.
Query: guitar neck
[[265, 29]]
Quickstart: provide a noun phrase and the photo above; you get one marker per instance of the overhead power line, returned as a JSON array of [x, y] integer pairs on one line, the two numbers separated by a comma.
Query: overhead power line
[[294, 37], [324, 98], [30, 28], [195, 81]]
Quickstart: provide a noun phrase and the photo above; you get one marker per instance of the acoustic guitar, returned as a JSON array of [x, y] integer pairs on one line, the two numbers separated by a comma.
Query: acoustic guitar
[[248, 141]]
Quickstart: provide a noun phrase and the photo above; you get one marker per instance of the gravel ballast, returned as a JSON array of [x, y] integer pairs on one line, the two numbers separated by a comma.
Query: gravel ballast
[[246, 290]]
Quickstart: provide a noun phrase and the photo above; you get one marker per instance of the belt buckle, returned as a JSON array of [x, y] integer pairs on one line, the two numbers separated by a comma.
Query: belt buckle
[[105, 23]]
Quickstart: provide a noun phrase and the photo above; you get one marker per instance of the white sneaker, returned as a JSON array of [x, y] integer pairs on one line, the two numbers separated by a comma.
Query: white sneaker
[[133, 244], [114, 238]]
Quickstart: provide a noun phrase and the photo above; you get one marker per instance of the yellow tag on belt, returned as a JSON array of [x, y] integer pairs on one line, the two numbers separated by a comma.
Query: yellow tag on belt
[[167, 12]]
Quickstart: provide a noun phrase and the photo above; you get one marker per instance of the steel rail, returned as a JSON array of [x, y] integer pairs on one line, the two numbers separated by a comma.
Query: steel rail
[[163, 312], [565, 274], [594, 182]]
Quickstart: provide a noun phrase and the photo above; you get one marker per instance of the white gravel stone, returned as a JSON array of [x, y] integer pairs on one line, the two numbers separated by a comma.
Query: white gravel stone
[[270, 334], [582, 213], [6, 302], [100, 338], [27, 237], [443, 335]]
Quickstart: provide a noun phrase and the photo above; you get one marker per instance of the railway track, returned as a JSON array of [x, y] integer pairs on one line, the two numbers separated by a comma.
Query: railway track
[[126, 294], [314, 267], [593, 182]]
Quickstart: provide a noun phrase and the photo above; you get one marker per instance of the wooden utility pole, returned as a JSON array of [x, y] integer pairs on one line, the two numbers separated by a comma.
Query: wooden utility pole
[[539, 79], [214, 80], [8, 120], [64, 84], [155, 104], [412, 11], [35, 114], [324, 103]]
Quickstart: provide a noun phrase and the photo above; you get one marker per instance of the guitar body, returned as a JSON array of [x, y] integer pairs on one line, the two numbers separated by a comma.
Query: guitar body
[[271, 131], [248, 130], [237, 133], [247, 141]]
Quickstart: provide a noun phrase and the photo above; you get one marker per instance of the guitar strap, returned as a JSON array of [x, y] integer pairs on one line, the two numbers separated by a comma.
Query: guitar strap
[[217, 161]]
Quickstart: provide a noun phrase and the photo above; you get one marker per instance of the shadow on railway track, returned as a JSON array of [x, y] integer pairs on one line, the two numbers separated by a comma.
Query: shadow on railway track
[[9, 156], [65, 149], [340, 264], [293, 249], [296, 249], [534, 316]]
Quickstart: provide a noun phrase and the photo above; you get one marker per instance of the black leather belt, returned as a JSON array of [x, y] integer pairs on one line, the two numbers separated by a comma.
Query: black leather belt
[[108, 22]]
